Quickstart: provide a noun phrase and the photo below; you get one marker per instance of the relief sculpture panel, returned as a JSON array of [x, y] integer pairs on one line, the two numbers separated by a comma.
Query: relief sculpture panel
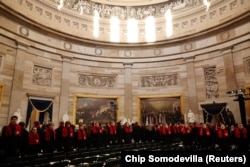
[[158, 80], [96, 80], [211, 83], [42, 76]]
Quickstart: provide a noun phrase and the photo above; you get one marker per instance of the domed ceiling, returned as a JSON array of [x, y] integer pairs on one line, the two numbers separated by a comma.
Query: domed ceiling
[[90, 20]]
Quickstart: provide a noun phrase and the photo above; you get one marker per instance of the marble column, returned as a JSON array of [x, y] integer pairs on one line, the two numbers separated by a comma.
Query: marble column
[[237, 107], [65, 83], [128, 109], [231, 83], [191, 89], [17, 84]]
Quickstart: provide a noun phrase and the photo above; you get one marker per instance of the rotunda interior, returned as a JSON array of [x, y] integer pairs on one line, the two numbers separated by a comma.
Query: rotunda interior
[[122, 60]]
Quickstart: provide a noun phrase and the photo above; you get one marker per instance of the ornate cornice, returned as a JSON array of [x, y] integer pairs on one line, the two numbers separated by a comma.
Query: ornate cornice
[[123, 12]]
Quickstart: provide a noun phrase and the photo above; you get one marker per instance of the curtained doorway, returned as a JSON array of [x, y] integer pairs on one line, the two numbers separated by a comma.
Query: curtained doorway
[[39, 110], [214, 112]]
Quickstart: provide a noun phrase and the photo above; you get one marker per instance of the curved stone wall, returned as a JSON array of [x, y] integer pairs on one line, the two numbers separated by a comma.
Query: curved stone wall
[[43, 63]]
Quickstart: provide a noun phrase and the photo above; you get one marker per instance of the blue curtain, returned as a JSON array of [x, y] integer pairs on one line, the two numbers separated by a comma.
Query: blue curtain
[[214, 109], [40, 105]]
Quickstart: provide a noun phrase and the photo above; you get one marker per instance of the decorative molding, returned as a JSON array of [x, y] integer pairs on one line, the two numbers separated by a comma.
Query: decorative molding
[[247, 66], [192, 10], [159, 30], [127, 53], [157, 52], [203, 18], [158, 80], [128, 64], [213, 14], [22, 45], [225, 36], [84, 27], [223, 9], [188, 46], [29, 5], [67, 22], [189, 59], [24, 31], [125, 12], [176, 26], [98, 51], [96, 80], [233, 4], [58, 18], [42, 76], [227, 50], [184, 24], [39, 10], [142, 31], [48, 14], [67, 46], [66, 58], [194, 21], [75, 24], [39, 96]]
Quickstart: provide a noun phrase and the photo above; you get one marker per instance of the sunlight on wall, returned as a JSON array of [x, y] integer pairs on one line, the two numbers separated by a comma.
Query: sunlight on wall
[[96, 24], [114, 29], [150, 29], [132, 35], [169, 24]]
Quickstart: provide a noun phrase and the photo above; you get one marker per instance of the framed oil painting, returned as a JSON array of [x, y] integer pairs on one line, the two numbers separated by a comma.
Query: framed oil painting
[[160, 109], [247, 98], [89, 108]]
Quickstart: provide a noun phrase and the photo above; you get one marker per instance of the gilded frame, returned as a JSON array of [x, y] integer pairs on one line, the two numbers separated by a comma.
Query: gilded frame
[[162, 108], [247, 102], [1, 94], [89, 108]]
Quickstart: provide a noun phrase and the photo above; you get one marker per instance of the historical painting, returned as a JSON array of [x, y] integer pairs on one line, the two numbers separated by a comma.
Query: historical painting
[[165, 109], [88, 109]]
